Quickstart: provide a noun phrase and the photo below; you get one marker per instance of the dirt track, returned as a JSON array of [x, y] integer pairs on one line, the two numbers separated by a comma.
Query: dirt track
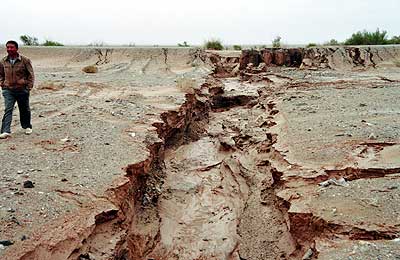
[[155, 158]]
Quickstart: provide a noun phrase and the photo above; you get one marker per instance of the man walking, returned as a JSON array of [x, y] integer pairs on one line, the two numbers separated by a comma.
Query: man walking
[[16, 81]]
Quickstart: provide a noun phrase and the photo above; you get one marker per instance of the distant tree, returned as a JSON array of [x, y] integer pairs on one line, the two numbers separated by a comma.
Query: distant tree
[[311, 45], [213, 44], [276, 43], [395, 40], [97, 44], [368, 38], [184, 44], [29, 40], [332, 42], [237, 47], [52, 43]]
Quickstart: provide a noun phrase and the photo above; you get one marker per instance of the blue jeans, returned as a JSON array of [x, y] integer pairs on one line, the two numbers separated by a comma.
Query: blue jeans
[[22, 99]]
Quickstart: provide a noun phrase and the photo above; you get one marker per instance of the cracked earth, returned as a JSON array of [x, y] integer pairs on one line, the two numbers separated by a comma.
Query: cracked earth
[[186, 154]]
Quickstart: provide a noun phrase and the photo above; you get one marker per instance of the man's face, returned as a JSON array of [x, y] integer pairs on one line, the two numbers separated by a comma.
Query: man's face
[[12, 49]]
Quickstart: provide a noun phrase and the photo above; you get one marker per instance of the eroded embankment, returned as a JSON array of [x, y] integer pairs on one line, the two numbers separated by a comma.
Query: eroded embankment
[[214, 204], [205, 190], [215, 185], [337, 179], [217, 200], [334, 57], [229, 193], [86, 126], [334, 178]]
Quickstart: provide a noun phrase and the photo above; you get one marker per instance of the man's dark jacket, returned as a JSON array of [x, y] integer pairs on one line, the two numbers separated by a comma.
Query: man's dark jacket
[[17, 76]]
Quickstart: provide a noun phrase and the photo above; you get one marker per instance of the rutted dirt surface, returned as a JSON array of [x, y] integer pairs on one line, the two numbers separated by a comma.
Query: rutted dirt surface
[[182, 154]]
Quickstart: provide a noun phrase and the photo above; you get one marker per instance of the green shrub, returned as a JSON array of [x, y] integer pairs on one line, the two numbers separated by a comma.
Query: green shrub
[[237, 47], [213, 44], [368, 38], [52, 43], [332, 42], [311, 45], [395, 40], [276, 43]]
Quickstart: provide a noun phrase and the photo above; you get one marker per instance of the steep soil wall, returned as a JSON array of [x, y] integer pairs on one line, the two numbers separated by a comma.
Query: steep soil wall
[[335, 57]]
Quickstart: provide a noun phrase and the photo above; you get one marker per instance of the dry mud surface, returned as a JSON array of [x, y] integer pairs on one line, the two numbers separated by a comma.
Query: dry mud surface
[[183, 154]]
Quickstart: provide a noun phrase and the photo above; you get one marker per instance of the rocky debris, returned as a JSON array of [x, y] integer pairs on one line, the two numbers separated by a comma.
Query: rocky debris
[[358, 250], [28, 184], [308, 255], [340, 182], [224, 66], [106, 216], [6, 242]]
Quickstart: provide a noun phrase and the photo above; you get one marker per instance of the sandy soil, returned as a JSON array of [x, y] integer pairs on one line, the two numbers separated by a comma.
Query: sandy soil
[[160, 156], [87, 129]]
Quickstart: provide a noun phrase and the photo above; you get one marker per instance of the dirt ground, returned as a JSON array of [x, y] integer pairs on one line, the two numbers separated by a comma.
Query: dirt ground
[[176, 154]]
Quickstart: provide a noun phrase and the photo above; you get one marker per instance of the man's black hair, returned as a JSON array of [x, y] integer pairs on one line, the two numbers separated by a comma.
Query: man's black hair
[[13, 43]]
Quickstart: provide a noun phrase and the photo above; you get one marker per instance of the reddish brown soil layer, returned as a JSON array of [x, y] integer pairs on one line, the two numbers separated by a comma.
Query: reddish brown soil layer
[[247, 167]]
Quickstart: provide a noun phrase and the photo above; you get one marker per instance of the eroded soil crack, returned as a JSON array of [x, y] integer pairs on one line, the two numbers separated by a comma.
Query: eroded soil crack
[[215, 186]]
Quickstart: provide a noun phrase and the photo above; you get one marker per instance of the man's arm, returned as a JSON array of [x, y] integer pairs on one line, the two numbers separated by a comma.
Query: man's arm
[[30, 78], [1, 74]]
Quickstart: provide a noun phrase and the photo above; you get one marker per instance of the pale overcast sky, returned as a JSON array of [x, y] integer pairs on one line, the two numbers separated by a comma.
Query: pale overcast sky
[[170, 22]]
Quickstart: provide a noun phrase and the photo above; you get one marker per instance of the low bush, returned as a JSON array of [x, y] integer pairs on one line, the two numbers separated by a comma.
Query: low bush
[[332, 42], [213, 44], [311, 45], [52, 43], [395, 40], [90, 69], [368, 38], [237, 47], [276, 43]]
